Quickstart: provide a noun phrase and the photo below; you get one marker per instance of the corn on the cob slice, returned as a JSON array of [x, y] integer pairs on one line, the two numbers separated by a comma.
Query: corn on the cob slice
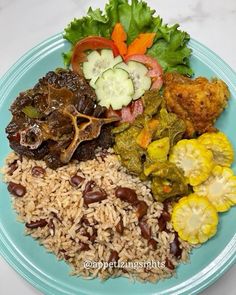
[[219, 188], [194, 159], [221, 147], [195, 219]]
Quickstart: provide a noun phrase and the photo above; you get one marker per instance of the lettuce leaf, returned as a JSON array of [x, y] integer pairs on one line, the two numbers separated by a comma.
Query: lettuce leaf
[[170, 48], [170, 45], [93, 24]]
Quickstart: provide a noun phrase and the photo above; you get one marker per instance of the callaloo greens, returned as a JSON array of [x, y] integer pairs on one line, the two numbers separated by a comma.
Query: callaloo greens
[[170, 44], [166, 179]]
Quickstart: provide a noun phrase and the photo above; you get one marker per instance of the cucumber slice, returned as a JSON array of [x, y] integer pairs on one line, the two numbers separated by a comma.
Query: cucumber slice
[[114, 88], [138, 73], [98, 63]]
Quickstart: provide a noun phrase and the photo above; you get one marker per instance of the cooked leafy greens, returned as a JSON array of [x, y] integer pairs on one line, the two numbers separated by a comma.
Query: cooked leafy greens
[[126, 146], [152, 101], [170, 45], [170, 126], [129, 151], [166, 179]]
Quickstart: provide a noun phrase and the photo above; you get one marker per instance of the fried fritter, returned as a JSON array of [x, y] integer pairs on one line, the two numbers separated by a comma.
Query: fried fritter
[[199, 102]]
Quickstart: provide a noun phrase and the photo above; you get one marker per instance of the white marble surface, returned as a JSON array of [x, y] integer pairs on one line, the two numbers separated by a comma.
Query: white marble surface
[[24, 23]]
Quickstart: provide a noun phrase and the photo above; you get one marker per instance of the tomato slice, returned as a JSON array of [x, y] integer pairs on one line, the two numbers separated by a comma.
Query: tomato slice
[[92, 42], [129, 113], [155, 70]]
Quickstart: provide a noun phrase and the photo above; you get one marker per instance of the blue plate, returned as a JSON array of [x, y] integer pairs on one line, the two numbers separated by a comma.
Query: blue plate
[[42, 269]]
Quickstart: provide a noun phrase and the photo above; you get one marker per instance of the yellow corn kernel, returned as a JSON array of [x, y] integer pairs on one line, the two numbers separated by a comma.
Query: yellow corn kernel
[[219, 188], [195, 219], [194, 159], [220, 146]]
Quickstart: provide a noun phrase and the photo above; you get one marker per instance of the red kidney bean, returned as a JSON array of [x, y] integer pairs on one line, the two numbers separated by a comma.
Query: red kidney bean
[[76, 180], [36, 224], [94, 235], [169, 264], [89, 186], [38, 171], [120, 226], [126, 194], [166, 204], [145, 230], [114, 256], [94, 196], [166, 216], [152, 244], [18, 190], [175, 247], [142, 208], [84, 247], [12, 167], [85, 221], [161, 223], [67, 257]]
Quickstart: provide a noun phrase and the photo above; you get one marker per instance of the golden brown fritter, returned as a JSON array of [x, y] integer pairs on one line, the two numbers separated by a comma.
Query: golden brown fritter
[[197, 101]]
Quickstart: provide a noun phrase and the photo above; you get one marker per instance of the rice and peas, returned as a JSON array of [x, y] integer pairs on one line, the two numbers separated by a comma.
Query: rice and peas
[[52, 206]]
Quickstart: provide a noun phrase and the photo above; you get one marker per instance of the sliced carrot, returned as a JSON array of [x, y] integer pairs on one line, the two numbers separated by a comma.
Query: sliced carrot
[[166, 189], [119, 37], [145, 136], [153, 124], [141, 44]]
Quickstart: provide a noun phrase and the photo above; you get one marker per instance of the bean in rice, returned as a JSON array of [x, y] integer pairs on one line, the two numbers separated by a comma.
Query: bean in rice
[[76, 232]]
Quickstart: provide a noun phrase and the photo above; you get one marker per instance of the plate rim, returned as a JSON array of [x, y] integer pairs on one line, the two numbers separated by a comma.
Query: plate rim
[[47, 285]]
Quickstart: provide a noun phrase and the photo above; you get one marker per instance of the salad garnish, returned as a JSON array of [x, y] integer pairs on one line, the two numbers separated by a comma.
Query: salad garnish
[[169, 46]]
